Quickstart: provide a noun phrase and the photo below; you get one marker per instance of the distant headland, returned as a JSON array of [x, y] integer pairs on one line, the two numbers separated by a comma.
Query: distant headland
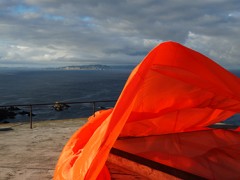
[[96, 67], [86, 67], [73, 67]]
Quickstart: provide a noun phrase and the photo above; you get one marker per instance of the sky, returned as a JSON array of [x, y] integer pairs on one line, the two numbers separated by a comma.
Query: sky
[[55, 33]]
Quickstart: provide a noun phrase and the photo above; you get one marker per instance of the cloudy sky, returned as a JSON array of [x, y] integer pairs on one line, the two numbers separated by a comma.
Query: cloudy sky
[[48, 33]]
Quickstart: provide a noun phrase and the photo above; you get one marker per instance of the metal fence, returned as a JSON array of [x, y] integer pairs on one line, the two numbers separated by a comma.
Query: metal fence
[[57, 105]]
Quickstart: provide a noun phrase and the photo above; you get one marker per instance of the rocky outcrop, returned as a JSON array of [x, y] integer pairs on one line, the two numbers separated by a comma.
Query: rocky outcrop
[[8, 113], [60, 106], [11, 112]]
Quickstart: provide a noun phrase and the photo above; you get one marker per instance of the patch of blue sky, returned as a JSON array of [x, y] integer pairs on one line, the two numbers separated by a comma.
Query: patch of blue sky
[[21, 9], [86, 18]]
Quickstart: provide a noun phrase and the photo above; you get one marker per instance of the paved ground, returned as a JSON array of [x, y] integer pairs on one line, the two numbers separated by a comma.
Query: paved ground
[[32, 153]]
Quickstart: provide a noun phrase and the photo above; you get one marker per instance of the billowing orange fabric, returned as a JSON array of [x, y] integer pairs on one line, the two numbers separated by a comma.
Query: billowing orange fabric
[[174, 89], [212, 154]]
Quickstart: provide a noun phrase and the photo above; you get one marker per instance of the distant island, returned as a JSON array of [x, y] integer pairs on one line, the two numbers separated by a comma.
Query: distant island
[[86, 67]]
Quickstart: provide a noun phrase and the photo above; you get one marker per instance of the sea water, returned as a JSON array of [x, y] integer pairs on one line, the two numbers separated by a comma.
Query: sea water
[[50, 86]]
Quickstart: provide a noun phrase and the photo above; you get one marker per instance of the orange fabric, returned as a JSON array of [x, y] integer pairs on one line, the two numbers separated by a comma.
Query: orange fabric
[[174, 89], [212, 154]]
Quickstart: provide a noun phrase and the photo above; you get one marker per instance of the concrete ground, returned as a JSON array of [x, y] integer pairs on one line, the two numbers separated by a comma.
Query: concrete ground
[[33, 153]]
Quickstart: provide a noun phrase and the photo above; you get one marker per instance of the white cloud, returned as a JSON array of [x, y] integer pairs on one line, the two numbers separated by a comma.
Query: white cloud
[[235, 14], [151, 42], [222, 50]]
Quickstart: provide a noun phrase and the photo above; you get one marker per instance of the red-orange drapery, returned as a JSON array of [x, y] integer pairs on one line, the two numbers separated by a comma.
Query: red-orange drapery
[[174, 89]]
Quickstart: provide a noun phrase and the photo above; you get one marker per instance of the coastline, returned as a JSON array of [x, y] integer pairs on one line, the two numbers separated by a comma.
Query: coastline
[[33, 153]]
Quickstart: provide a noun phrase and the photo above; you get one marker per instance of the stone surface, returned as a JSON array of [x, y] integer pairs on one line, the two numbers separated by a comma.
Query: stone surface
[[33, 153]]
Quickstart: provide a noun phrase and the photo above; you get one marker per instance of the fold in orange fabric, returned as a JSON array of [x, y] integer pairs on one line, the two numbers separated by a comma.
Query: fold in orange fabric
[[212, 154], [174, 89]]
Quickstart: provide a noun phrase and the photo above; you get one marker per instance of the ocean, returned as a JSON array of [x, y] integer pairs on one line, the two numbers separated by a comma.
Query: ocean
[[50, 86]]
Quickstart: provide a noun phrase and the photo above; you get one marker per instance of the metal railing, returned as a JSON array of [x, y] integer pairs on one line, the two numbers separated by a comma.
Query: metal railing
[[47, 104]]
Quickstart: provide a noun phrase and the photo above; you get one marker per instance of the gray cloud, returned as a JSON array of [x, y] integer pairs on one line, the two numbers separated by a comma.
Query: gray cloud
[[58, 32]]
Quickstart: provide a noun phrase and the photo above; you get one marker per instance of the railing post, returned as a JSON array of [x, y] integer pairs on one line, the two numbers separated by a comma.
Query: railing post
[[94, 108], [30, 114]]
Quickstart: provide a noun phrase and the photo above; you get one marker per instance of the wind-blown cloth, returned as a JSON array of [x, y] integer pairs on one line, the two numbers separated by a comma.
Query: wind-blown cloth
[[174, 90]]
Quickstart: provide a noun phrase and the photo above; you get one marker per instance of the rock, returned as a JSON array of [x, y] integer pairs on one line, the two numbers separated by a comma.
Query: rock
[[60, 106], [6, 114], [13, 108]]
